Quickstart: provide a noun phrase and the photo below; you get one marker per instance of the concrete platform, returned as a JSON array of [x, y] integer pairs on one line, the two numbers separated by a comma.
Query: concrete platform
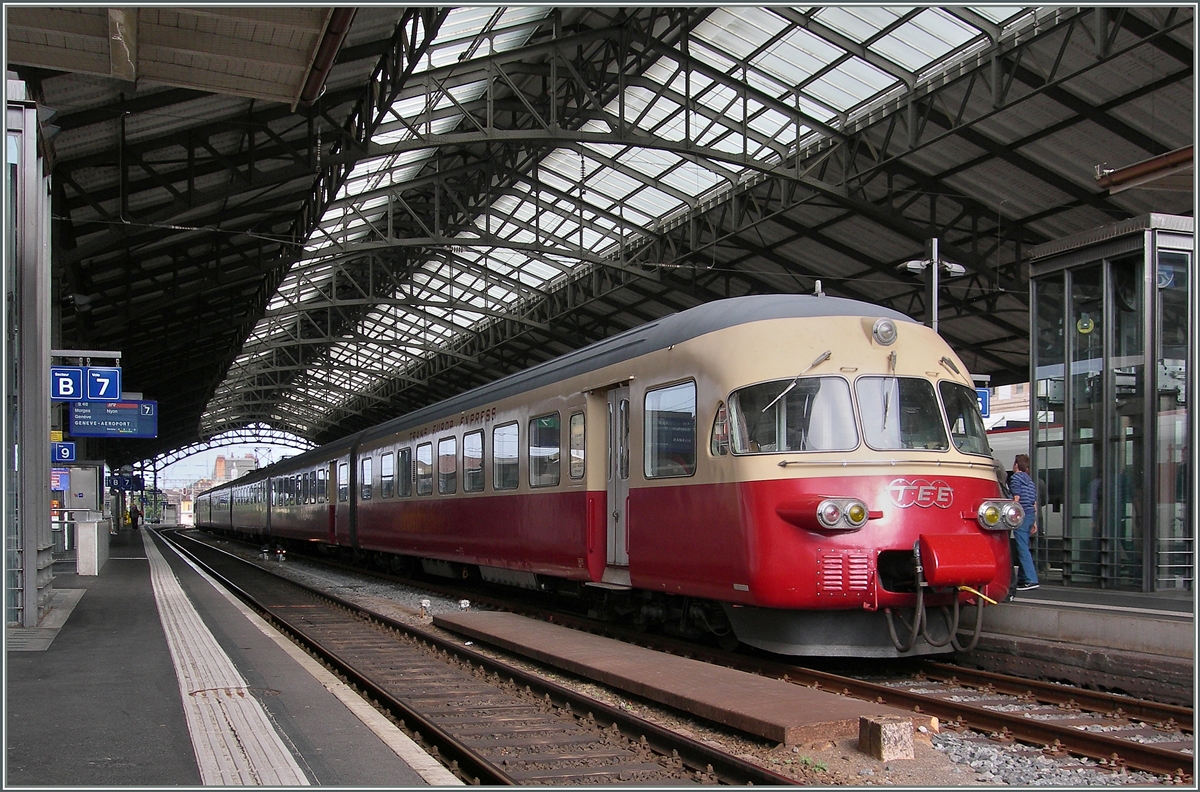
[[775, 710], [149, 675], [1129, 642]]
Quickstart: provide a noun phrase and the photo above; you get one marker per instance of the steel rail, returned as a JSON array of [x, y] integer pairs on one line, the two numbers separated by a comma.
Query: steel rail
[[469, 763], [695, 754], [1057, 694], [1090, 744]]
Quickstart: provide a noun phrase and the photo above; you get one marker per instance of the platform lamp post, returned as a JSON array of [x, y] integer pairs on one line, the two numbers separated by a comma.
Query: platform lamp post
[[933, 267]]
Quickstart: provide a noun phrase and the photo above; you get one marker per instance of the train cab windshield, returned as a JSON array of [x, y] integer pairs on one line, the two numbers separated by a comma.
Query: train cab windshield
[[815, 415], [900, 413], [962, 414]]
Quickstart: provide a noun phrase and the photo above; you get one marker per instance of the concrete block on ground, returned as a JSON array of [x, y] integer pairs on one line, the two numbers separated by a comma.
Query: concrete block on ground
[[885, 737]]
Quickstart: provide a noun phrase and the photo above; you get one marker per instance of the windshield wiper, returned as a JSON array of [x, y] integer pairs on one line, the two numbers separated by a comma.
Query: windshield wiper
[[887, 383], [820, 359]]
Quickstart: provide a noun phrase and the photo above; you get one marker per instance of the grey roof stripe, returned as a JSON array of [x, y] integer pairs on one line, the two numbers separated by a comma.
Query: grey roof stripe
[[659, 334]]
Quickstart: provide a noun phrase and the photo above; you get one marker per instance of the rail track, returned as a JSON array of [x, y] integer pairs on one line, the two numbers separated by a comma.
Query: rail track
[[1062, 720], [488, 722]]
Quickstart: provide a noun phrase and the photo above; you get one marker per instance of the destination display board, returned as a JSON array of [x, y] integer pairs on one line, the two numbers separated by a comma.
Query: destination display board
[[114, 419]]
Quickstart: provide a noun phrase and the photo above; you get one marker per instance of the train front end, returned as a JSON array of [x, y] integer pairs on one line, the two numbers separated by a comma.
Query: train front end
[[871, 503]]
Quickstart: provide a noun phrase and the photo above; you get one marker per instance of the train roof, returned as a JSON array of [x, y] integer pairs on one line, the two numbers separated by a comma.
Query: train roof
[[652, 336], [658, 334]]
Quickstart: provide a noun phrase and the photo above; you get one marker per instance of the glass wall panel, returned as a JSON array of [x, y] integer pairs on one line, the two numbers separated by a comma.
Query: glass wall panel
[[1174, 562], [1047, 417], [1122, 553], [1085, 529]]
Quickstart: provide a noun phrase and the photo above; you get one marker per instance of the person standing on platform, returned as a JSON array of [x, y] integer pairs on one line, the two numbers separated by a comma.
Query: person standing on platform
[[1025, 493], [135, 515]]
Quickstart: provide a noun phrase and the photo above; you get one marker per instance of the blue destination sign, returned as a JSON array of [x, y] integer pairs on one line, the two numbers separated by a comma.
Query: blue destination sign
[[114, 419]]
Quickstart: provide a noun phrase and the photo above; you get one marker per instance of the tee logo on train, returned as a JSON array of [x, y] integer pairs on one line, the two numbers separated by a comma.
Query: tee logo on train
[[919, 492]]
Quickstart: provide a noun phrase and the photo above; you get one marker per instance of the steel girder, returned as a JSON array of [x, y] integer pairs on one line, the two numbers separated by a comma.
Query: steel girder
[[869, 167], [172, 243]]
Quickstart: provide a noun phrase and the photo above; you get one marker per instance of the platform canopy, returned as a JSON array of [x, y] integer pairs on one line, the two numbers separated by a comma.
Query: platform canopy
[[474, 190]]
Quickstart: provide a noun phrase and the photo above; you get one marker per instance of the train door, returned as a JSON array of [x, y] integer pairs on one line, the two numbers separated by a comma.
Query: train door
[[618, 475], [327, 493]]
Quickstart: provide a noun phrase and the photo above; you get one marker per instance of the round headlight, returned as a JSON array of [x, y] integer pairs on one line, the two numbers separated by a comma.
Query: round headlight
[[989, 515], [1014, 514], [885, 331], [828, 513], [856, 514]]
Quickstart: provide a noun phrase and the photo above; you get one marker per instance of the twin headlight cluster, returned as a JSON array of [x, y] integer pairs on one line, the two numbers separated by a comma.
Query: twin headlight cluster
[[1000, 515], [847, 514], [850, 514]]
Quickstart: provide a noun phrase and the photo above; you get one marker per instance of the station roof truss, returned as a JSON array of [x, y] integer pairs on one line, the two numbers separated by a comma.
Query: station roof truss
[[480, 189]]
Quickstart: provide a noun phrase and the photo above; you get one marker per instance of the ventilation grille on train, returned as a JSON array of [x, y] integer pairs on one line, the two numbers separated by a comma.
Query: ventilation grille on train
[[838, 572]]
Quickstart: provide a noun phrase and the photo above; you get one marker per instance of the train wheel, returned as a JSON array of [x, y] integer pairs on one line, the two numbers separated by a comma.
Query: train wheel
[[728, 641]]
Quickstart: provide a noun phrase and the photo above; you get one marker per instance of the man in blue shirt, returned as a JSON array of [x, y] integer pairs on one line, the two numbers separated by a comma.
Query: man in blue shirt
[[1025, 492]]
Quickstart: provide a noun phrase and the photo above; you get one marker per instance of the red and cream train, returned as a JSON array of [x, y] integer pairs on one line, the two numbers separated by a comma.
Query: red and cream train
[[808, 475]]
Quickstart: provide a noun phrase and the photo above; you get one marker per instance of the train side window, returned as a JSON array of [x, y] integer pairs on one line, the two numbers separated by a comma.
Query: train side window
[[505, 475], [719, 445], [404, 472], [577, 438], [343, 482], [448, 466], [365, 481], [425, 469], [387, 475], [545, 450], [473, 461], [304, 487], [322, 493], [670, 436]]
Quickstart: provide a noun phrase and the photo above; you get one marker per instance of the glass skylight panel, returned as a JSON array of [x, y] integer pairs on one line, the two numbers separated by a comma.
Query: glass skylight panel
[[999, 14], [924, 39], [653, 203], [648, 110], [851, 83], [740, 32], [775, 126], [797, 56], [860, 23]]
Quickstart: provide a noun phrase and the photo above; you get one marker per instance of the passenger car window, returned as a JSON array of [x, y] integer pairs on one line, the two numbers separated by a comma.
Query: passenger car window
[[473, 462], [404, 472], [963, 416], [343, 482], [322, 493], [670, 438], [387, 473], [425, 469], [365, 481], [577, 440], [816, 414], [900, 413], [448, 466], [504, 457], [545, 450]]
